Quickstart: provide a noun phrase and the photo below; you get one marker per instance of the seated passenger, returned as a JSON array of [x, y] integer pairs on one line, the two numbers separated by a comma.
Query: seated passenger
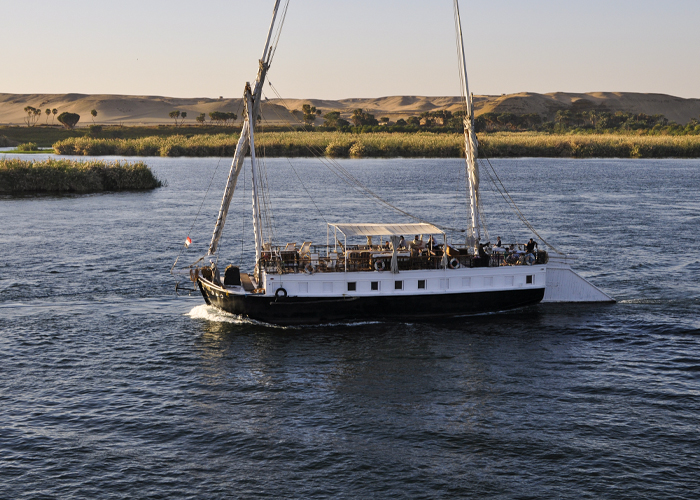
[[417, 243], [431, 244]]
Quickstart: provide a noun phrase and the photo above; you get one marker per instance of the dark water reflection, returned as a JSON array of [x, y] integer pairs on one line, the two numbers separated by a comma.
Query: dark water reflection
[[112, 387]]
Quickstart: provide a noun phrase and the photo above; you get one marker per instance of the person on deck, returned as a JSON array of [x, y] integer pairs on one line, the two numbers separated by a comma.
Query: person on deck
[[418, 242], [530, 246], [498, 243], [530, 252], [512, 256], [417, 245], [431, 244], [402, 243]]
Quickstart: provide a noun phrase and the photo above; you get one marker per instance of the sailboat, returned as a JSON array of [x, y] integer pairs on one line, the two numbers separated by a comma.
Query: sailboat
[[366, 271]]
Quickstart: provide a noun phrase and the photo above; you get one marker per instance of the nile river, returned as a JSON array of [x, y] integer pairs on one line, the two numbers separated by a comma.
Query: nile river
[[111, 386]]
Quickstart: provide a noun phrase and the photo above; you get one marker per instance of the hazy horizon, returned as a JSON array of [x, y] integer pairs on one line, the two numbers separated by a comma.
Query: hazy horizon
[[361, 49]]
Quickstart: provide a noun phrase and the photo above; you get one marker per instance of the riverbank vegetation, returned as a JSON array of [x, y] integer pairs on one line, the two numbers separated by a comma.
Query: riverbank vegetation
[[19, 176], [389, 145], [567, 133], [45, 136]]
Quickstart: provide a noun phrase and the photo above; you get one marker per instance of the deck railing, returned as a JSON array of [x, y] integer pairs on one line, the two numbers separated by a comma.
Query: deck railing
[[280, 260]]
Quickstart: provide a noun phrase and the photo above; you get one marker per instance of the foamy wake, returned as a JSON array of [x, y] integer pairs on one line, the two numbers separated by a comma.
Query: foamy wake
[[215, 315], [642, 301], [212, 314]]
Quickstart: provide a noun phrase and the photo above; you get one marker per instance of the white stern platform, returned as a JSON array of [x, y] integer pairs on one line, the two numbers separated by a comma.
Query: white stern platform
[[564, 285]]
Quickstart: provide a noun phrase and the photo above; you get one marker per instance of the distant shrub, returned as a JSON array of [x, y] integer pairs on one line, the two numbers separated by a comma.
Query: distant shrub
[[95, 130], [358, 150], [29, 146], [338, 149]]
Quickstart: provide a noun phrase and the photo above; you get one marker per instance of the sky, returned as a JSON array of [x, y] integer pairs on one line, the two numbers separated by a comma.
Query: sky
[[336, 49]]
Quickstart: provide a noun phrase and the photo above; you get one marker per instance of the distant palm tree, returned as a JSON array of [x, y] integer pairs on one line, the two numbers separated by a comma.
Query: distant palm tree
[[53, 112], [48, 112], [94, 114]]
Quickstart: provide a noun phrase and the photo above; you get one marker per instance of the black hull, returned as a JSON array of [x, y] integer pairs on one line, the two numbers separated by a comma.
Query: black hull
[[315, 310]]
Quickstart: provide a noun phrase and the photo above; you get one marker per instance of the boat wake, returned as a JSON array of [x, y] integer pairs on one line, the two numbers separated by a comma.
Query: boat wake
[[212, 314], [215, 315]]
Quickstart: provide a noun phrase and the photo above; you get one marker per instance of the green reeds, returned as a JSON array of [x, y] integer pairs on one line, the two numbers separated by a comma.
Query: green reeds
[[290, 144], [69, 176], [27, 147], [531, 144], [390, 145]]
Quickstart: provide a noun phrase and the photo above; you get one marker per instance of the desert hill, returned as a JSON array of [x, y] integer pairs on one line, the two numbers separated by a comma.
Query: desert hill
[[154, 110]]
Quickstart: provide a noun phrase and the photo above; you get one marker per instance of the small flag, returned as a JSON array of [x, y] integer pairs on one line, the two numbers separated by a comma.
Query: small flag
[[188, 242]]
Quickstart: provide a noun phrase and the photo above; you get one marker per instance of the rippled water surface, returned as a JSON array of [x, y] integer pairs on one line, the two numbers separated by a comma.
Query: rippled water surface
[[113, 387]]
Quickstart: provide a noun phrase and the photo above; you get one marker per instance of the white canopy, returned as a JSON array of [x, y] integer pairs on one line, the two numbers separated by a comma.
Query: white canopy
[[386, 229]]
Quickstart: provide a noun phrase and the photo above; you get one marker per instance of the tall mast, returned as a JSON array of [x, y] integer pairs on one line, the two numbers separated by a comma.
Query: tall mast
[[471, 145], [244, 141], [257, 221]]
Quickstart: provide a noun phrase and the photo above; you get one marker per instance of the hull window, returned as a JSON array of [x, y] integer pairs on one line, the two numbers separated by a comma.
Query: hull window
[[421, 284], [375, 285], [398, 285], [529, 279], [352, 286]]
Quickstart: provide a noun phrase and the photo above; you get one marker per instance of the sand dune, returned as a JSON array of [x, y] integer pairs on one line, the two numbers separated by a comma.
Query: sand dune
[[154, 110]]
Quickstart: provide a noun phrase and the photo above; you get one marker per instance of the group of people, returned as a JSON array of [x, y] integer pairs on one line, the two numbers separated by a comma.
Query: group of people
[[418, 246], [513, 255]]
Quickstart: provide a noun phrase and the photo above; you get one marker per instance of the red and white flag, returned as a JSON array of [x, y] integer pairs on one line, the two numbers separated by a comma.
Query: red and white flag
[[188, 242]]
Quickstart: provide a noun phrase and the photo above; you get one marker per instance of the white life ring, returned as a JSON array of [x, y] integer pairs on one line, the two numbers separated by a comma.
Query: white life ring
[[379, 265], [280, 292], [454, 263]]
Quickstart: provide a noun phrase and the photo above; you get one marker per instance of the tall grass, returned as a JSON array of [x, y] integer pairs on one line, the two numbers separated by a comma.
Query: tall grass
[[387, 145], [59, 176], [29, 146], [531, 144], [272, 144]]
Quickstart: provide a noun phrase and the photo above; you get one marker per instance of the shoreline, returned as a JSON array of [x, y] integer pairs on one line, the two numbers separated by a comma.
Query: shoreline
[[394, 145]]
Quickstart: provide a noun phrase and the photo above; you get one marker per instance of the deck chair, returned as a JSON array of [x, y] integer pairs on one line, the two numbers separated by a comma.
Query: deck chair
[[305, 249]]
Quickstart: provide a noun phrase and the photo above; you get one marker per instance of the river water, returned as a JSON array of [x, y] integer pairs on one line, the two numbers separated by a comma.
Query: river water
[[111, 386]]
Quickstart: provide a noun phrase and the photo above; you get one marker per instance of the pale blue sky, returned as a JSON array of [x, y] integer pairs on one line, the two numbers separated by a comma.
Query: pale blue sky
[[338, 49]]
